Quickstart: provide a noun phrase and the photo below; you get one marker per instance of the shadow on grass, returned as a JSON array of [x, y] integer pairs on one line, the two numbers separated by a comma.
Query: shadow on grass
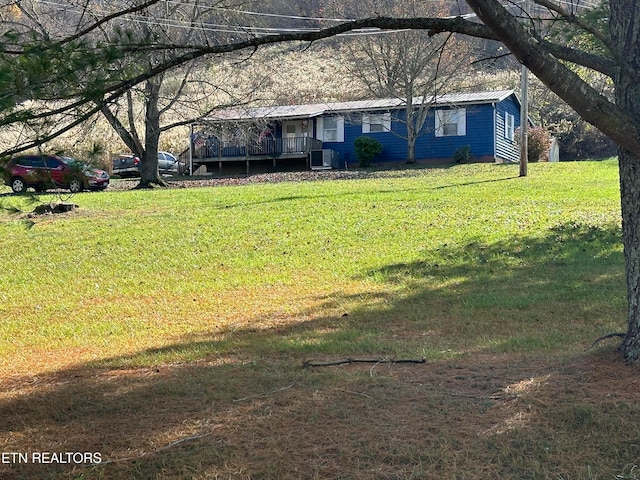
[[505, 392], [521, 285]]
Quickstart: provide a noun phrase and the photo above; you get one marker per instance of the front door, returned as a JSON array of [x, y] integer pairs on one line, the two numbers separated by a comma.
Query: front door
[[295, 133]]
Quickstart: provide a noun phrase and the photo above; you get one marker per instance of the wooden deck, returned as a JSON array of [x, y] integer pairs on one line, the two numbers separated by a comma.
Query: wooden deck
[[269, 150]]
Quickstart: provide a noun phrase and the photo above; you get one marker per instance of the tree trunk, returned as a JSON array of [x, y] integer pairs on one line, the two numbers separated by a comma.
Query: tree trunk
[[411, 150], [630, 204], [625, 41], [410, 121], [149, 175]]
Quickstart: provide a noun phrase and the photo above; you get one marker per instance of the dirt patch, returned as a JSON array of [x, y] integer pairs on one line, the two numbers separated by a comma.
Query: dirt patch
[[53, 208], [275, 177]]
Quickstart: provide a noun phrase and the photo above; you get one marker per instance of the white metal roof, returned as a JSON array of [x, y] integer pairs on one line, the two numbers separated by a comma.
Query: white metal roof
[[317, 109]]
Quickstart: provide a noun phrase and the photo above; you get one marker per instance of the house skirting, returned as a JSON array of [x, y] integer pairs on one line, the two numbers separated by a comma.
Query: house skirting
[[250, 165]]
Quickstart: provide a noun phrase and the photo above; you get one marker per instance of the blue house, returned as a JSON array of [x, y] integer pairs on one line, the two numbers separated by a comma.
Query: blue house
[[322, 135]]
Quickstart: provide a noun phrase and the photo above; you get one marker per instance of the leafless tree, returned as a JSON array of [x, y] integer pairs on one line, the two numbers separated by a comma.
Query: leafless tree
[[409, 65], [170, 98]]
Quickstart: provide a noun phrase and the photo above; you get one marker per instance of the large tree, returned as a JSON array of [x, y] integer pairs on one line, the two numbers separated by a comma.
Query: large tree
[[170, 98], [53, 67], [116, 58]]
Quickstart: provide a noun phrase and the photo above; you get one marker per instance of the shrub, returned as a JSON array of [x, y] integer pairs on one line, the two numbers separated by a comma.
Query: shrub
[[463, 154], [538, 143], [579, 140], [366, 148], [576, 138]]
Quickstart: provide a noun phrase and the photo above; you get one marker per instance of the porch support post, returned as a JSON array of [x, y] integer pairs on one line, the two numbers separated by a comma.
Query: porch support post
[[191, 151]]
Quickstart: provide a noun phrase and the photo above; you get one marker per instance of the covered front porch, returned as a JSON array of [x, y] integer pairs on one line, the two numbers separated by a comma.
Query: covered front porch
[[280, 144]]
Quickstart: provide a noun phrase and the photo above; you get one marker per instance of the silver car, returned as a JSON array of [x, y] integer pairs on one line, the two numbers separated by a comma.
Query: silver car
[[167, 162]]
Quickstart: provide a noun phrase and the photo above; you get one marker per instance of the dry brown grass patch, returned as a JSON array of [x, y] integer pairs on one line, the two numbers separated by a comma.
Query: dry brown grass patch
[[480, 416]]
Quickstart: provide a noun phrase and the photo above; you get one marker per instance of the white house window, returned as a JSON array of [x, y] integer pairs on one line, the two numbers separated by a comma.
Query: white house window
[[331, 129], [376, 122], [509, 126], [451, 122]]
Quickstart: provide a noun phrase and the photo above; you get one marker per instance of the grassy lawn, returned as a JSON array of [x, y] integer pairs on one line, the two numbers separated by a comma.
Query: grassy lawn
[[167, 330]]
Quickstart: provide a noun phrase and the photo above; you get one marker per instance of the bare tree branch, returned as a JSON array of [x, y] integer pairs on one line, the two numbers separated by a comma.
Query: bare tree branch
[[572, 18], [527, 49], [594, 107], [107, 19]]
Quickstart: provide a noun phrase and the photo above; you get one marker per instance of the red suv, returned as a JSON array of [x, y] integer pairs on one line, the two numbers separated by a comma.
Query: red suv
[[49, 171]]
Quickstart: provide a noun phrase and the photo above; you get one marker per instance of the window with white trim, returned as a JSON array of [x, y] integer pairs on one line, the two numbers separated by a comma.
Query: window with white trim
[[509, 126], [331, 129], [452, 122], [380, 122]]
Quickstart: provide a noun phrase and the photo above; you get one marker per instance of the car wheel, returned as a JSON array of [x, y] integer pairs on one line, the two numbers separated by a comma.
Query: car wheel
[[75, 185], [18, 185]]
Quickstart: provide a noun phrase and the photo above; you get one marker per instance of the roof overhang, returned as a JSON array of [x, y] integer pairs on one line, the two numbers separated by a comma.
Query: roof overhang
[[308, 111]]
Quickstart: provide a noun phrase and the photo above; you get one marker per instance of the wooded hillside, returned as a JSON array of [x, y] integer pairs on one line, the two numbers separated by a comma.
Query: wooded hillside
[[340, 68]]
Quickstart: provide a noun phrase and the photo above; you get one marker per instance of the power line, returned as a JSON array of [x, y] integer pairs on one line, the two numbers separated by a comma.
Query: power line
[[226, 28], [260, 30]]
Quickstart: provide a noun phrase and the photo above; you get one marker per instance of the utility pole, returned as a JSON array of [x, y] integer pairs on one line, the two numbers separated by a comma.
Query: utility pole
[[524, 121], [524, 109]]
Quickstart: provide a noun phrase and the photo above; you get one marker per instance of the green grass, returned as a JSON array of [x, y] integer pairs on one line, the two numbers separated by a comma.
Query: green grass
[[209, 299], [434, 248]]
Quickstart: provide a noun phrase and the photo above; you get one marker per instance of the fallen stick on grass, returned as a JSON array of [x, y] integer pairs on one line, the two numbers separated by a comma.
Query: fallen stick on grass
[[312, 363], [604, 337]]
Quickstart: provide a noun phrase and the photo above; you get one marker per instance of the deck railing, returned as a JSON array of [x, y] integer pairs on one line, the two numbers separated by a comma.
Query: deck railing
[[268, 147]]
